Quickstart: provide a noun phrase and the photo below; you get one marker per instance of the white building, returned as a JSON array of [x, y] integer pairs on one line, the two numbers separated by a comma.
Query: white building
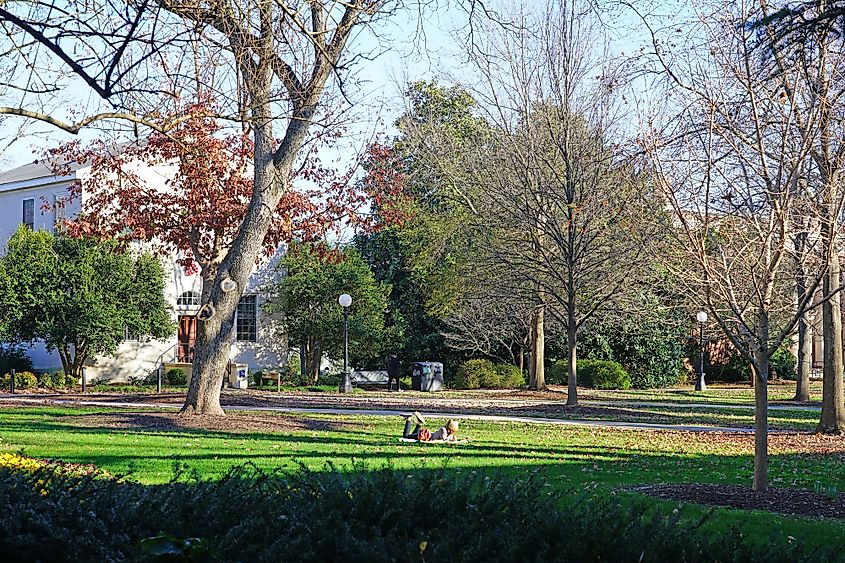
[[259, 340]]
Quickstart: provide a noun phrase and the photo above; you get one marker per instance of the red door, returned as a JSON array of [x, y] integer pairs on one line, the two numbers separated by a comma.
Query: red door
[[187, 336]]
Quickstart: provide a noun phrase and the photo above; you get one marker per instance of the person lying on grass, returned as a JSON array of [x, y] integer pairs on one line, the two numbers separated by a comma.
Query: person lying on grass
[[422, 434]]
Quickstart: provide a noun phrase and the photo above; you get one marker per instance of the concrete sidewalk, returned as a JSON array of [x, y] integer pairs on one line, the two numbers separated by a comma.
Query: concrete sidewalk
[[383, 412]]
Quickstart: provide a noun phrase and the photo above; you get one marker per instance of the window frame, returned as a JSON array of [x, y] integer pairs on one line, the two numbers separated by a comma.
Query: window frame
[[23, 212], [247, 332], [189, 299]]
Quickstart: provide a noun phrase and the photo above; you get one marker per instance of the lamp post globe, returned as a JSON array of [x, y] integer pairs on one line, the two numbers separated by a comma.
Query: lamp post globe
[[701, 317], [345, 300]]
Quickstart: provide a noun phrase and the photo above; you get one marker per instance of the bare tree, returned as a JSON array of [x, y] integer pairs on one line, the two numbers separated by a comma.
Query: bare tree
[[267, 64], [730, 161], [817, 50], [493, 323], [559, 201]]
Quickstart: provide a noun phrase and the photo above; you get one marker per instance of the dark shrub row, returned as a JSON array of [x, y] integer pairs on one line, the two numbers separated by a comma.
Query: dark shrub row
[[376, 516], [47, 380], [599, 374]]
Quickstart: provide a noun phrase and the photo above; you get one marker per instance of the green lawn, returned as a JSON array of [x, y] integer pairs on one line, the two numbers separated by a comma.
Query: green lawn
[[601, 460]]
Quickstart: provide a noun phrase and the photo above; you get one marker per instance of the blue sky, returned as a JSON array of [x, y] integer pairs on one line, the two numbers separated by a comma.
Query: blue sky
[[410, 48]]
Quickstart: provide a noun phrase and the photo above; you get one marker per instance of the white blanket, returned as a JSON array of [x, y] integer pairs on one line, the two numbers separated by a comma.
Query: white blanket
[[432, 441]]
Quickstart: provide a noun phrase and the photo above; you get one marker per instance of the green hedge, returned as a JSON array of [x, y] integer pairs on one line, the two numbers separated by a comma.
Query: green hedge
[[602, 374], [557, 373], [599, 374], [175, 377], [510, 376], [364, 516], [56, 380], [475, 374], [472, 372], [23, 380]]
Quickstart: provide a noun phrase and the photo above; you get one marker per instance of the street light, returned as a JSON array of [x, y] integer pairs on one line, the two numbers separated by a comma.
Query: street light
[[345, 301], [701, 317]]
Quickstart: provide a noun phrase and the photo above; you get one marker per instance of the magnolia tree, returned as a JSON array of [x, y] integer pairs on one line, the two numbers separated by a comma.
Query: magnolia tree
[[79, 295]]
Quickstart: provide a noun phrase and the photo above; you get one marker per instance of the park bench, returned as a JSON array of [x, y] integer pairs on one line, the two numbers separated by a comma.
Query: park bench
[[373, 377], [268, 377]]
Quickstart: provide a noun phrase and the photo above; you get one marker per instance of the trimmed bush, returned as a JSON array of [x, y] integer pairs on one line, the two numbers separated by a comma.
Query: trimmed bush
[[23, 380], [472, 372], [649, 345], [491, 379], [14, 358], [510, 376], [371, 516], [55, 380], [176, 377], [602, 374]]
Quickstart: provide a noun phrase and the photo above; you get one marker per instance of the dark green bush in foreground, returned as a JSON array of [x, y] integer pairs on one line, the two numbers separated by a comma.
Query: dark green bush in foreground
[[378, 516]]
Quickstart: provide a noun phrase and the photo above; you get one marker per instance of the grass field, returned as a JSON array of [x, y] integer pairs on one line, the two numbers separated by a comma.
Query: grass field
[[595, 459]]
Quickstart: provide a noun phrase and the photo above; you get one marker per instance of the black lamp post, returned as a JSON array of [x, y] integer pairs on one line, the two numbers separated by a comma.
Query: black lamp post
[[701, 317], [345, 301]]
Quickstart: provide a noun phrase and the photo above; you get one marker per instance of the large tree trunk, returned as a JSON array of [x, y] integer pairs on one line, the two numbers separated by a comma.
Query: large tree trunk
[[572, 358], [833, 410], [271, 175], [760, 365], [536, 367]]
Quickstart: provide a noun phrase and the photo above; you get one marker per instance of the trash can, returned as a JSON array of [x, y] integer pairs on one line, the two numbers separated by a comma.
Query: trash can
[[238, 374], [427, 376]]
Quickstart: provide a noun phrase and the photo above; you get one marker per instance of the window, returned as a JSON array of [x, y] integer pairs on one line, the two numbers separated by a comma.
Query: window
[[29, 213], [188, 299], [59, 203], [246, 326]]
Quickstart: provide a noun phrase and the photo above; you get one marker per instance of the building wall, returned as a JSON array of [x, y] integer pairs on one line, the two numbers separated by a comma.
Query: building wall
[[11, 206]]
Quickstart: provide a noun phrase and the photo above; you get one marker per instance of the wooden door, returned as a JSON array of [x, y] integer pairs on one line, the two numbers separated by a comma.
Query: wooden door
[[187, 336]]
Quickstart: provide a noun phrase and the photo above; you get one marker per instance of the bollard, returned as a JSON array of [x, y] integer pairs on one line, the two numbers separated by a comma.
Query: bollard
[[158, 380], [83, 380], [12, 381]]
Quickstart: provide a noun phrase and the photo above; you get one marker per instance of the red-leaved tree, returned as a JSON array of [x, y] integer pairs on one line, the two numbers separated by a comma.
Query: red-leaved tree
[[185, 193]]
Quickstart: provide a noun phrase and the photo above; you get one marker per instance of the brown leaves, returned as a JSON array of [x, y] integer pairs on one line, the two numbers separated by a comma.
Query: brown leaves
[[189, 190]]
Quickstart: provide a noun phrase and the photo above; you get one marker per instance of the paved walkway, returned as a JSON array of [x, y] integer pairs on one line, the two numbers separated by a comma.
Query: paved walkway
[[726, 406], [383, 412]]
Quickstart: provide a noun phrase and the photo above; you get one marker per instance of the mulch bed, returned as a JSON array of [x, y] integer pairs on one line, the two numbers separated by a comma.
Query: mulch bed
[[791, 502]]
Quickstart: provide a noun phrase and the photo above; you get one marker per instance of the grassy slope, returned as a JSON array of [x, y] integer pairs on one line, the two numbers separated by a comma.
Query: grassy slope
[[571, 457]]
